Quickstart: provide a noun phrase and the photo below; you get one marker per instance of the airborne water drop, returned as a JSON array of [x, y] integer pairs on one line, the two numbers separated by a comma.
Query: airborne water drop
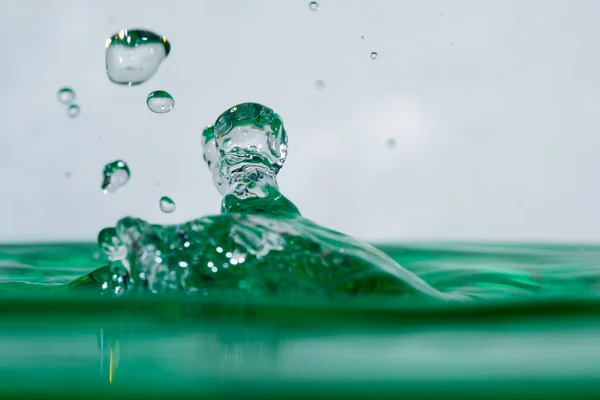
[[115, 175], [133, 56], [66, 95], [314, 6], [167, 205], [73, 110], [160, 102], [374, 55]]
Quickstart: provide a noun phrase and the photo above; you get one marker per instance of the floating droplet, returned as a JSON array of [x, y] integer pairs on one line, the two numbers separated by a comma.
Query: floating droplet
[[66, 95], [160, 102], [116, 174], [320, 84], [73, 110], [167, 205], [362, 38], [391, 143], [374, 56], [314, 6], [133, 56]]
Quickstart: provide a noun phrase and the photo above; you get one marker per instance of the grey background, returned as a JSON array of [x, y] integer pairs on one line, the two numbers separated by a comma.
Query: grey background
[[492, 104]]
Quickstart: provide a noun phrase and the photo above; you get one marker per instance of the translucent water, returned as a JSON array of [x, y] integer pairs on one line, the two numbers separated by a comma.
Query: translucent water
[[133, 56], [374, 56], [167, 205], [160, 102], [73, 110], [259, 244], [66, 95], [314, 6], [114, 176]]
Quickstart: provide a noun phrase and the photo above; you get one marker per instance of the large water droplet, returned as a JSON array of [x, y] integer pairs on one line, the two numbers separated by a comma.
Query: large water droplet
[[66, 95], [374, 56], [133, 56], [167, 205], [73, 110], [116, 174], [314, 6], [160, 102]]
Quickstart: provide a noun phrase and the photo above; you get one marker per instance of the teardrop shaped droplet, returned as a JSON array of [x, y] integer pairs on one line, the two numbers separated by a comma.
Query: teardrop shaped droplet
[[66, 95], [374, 55], [115, 175], [73, 110], [133, 56], [314, 6], [160, 102], [167, 205]]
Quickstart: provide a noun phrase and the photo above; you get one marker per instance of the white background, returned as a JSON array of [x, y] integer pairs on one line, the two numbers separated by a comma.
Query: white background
[[493, 105]]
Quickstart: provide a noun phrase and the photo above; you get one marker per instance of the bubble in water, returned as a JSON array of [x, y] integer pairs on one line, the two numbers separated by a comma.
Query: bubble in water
[[374, 56], [73, 110], [391, 143], [133, 56], [313, 5], [160, 102], [116, 174], [66, 95], [320, 84], [167, 205]]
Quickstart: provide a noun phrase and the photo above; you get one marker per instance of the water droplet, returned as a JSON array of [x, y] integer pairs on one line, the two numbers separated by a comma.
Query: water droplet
[[391, 143], [167, 205], [116, 174], [73, 110], [320, 84], [66, 95], [68, 175], [374, 56], [362, 38], [133, 56], [160, 102], [314, 6]]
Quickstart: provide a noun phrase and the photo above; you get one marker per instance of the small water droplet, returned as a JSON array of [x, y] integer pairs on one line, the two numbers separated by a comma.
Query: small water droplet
[[362, 38], [320, 84], [68, 175], [160, 102], [66, 95], [314, 6], [391, 143], [133, 56], [116, 175], [374, 56], [73, 110], [167, 205]]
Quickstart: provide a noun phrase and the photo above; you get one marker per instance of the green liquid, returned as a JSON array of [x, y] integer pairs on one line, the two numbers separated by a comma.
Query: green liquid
[[537, 342], [259, 302]]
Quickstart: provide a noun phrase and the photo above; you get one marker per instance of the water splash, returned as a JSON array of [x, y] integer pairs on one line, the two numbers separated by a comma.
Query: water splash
[[160, 102], [133, 56], [114, 176], [259, 243]]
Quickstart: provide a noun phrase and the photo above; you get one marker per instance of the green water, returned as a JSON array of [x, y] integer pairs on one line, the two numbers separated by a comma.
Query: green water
[[538, 340], [260, 302]]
